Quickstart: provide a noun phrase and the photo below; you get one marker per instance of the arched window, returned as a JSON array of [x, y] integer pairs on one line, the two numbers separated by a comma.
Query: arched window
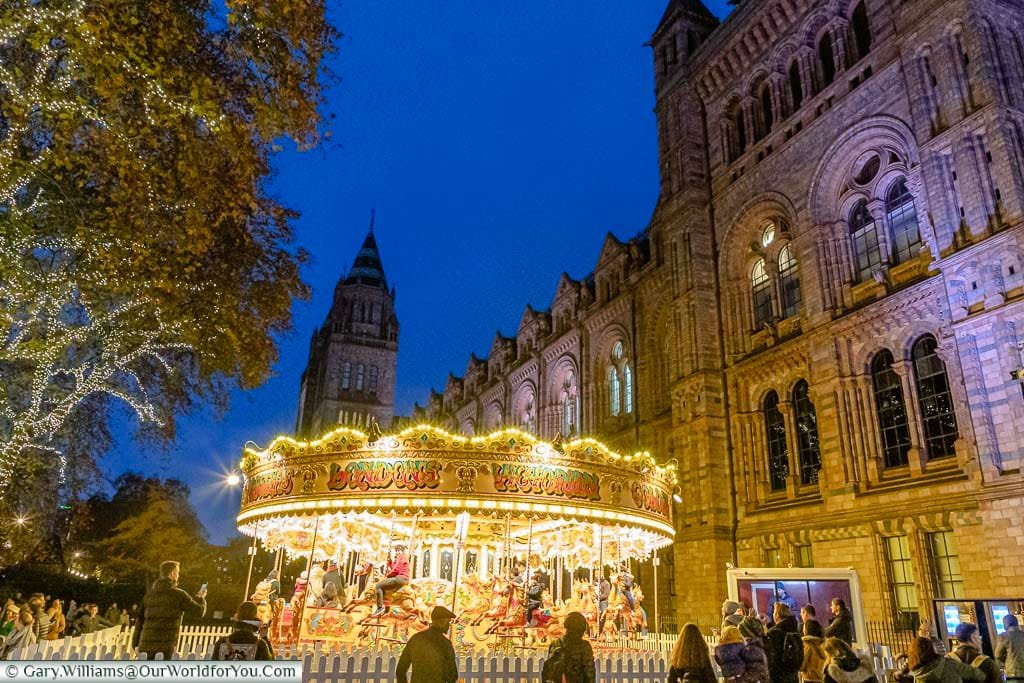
[[372, 384], [934, 400], [614, 392], [775, 430], [528, 415], [767, 114], [865, 241], [346, 375], [807, 444], [761, 288], [789, 282], [892, 411], [827, 59], [627, 385], [360, 371], [901, 214], [739, 127], [620, 381], [861, 28], [570, 405], [796, 86]]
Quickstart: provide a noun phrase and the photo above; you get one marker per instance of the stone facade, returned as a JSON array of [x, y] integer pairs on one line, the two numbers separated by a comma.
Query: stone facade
[[821, 320], [350, 376]]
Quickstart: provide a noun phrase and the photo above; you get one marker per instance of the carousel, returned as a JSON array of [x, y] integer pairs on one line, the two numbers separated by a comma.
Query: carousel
[[508, 531]]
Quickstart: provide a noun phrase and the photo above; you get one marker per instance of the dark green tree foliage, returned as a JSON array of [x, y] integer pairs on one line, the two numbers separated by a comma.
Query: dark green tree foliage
[[145, 521]]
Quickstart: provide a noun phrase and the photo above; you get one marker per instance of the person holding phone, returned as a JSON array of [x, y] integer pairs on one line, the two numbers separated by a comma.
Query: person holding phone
[[164, 606]]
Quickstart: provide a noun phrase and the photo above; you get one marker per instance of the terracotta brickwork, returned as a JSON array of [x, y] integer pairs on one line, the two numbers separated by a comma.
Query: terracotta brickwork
[[821, 320]]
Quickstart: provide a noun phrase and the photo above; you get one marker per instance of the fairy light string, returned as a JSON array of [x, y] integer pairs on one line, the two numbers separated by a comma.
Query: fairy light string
[[67, 347]]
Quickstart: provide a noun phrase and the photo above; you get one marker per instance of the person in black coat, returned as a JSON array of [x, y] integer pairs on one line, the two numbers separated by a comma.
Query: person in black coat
[[534, 599], [841, 626], [244, 643], [430, 653], [162, 609], [779, 670]]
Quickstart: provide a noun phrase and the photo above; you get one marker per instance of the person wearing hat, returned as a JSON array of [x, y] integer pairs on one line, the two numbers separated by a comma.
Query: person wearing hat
[[395, 576], [430, 653], [732, 614], [782, 596], [245, 642]]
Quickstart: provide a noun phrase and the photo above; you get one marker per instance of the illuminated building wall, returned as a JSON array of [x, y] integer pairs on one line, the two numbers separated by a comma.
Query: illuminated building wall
[[821, 320]]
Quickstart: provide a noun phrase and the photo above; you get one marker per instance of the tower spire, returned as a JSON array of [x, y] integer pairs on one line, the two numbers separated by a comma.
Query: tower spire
[[367, 268]]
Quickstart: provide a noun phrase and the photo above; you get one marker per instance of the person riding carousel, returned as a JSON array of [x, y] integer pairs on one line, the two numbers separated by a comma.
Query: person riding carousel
[[626, 583], [396, 575], [534, 599]]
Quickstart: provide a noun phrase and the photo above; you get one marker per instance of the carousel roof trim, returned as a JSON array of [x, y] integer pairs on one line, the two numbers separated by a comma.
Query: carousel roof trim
[[668, 467]]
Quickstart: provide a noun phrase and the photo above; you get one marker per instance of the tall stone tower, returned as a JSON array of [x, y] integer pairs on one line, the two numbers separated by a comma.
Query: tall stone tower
[[350, 376]]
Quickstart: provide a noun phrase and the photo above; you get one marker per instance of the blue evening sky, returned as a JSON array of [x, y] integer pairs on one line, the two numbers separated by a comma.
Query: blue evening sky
[[499, 142]]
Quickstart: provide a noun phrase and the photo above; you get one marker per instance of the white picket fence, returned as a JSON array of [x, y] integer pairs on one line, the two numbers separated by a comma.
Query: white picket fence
[[644, 661], [109, 640], [365, 667]]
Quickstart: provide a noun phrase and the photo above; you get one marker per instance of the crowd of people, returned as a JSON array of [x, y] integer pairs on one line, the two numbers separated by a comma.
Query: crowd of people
[[754, 648], [41, 617], [750, 648]]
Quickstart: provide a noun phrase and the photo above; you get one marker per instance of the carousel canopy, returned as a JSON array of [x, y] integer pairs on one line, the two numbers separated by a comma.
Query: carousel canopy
[[348, 492]]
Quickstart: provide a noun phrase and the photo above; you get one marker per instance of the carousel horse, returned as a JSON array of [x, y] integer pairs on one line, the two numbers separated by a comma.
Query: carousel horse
[[403, 604], [619, 612], [266, 609], [582, 600], [315, 585], [497, 602], [478, 599], [508, 607]]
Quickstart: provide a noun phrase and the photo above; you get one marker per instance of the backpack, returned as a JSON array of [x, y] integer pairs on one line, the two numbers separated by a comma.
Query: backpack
[[792, 652], [553, 670], [235, 652]]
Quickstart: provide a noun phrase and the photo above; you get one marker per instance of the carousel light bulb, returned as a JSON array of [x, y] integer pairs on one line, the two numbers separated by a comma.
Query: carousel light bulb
[[233, 479]]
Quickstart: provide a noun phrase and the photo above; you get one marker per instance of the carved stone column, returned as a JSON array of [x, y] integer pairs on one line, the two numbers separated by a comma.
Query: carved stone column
[[788, 411], [748, 120], [876, 208], [839, 47], [916, 456], [808, 74], [781, 111], [870, 429], [727, 144]]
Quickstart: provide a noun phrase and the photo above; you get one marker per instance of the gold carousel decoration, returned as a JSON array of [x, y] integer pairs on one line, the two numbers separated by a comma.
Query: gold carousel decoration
[[478, 522]]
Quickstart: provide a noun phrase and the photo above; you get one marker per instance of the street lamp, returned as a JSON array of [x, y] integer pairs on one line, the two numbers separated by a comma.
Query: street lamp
[[233, 479]]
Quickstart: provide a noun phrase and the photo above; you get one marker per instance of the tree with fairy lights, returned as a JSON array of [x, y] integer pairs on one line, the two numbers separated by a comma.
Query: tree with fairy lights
[[136, 142]]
